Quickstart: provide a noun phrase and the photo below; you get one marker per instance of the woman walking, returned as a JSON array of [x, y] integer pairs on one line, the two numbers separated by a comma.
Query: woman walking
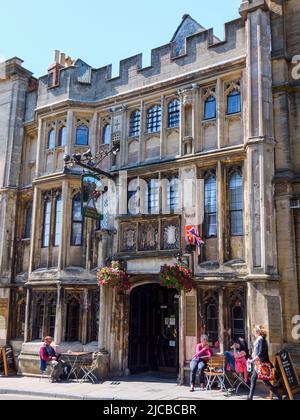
[[262, 365]]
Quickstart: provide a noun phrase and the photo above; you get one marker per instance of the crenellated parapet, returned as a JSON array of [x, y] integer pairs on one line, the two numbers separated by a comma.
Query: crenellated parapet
[[76, 80]]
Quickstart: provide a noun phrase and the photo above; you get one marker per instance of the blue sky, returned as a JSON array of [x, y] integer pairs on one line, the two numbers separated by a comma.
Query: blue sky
[[100, 32]]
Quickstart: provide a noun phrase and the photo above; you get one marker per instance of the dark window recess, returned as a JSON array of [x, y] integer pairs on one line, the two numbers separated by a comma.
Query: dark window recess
[[72, 320], [28, 221], [62, 136]]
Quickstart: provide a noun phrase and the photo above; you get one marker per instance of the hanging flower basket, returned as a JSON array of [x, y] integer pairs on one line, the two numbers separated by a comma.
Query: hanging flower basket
[[114, 277], [178, 276]]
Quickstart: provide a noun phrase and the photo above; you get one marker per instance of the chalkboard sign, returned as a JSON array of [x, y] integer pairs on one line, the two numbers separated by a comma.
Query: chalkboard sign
[[288, 373], [7, 361]]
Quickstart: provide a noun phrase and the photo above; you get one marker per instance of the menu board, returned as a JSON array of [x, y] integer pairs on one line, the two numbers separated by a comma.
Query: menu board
[[7, 361], [288, 373]]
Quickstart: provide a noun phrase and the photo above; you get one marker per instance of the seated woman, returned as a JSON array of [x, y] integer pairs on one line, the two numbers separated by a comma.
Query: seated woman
[[240, 355], [240, 345], [199, 362]]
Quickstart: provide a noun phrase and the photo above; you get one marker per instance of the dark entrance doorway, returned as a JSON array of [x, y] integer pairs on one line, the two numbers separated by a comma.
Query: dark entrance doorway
[[154, 329]]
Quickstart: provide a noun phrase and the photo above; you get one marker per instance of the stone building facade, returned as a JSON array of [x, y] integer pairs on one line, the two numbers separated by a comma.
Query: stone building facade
[[225, 112]]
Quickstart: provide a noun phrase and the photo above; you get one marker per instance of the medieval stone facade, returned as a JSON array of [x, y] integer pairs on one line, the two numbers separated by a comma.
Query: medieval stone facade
[[225, 112]]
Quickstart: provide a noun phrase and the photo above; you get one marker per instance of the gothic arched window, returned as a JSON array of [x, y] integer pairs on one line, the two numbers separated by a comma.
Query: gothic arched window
[[73, 319], [212, 319]]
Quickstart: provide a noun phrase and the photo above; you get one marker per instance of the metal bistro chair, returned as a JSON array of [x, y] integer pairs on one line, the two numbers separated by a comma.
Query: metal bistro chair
[[216, 373], [88, 372]]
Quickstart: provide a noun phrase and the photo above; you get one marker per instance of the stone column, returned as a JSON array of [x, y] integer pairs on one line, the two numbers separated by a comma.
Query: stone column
[[84, 320], [102, 319], [58, 338], [221, 321], [70, 133], [220, 112], [40, 148], [142, 132], [221, 198], [94, 133], [164, 124], [182, 323], [259, 140], [27, 332]]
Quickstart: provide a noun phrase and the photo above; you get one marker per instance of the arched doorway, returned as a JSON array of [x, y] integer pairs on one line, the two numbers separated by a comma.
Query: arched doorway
[[154, 329]]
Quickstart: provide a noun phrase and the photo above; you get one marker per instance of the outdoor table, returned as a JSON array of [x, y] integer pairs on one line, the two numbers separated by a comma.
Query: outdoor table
[[75, 360]]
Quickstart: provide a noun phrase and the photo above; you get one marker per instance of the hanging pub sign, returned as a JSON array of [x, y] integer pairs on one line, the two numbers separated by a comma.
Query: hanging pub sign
[[92, 189]]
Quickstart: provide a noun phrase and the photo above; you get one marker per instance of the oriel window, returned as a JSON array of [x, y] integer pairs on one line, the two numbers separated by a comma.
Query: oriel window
[[234, 102], [82, 135], [210, 226], [77, 222], [210, 108], [174, 114], [154, 119], [135, 124], [236, 204]]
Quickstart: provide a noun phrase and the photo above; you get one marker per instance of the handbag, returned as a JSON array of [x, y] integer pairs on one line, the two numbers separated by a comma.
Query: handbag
[[264, 371]]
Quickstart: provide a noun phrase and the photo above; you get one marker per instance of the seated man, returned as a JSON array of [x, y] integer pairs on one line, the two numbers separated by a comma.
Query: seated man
[[47, 355]]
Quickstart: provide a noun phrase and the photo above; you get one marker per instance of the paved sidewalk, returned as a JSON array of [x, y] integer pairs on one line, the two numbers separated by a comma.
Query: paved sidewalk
[[134, 389]]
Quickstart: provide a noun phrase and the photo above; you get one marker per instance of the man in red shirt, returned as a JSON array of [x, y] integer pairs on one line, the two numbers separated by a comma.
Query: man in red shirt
[[199, 362]]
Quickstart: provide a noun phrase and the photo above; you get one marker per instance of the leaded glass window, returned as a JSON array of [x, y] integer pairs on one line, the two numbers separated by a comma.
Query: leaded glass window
[[174, 114], [51, 139], [210, 108], [211, 207], [82, 135], [47, 223], [234, 102], [58, 216], [77, 222], [236, 204], [135, 124], [154, 119]]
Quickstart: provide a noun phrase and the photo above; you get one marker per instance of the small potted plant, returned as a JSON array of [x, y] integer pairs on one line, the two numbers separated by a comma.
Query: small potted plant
[[177, 276], [114, 277]]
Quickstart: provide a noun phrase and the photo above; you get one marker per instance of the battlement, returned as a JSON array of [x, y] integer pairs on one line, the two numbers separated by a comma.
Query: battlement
[[192, 48]]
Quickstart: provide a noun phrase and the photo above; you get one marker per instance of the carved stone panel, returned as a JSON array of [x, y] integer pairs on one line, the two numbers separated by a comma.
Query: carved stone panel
[[170, 234], [128, 237], [148, 236]]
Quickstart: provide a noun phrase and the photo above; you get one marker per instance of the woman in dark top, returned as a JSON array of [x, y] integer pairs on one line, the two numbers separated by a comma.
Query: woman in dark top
[[261, 354]]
